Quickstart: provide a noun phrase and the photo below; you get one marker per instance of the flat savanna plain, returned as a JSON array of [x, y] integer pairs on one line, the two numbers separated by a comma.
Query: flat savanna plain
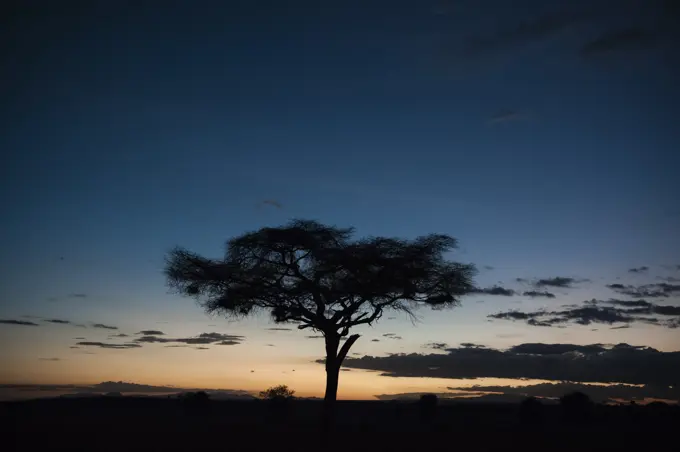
[[150, 424]]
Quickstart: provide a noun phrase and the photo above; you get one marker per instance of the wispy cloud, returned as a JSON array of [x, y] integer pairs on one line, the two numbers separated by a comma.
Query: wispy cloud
[[103, 326], [201, 339], [78, 295], [108, 345], [18, 322], [58, 321], [599, 311], [656, 290], [617, 41], [538, 294], [151, 333], [495, 290], [620, 363], [642, 269], [49, 359]]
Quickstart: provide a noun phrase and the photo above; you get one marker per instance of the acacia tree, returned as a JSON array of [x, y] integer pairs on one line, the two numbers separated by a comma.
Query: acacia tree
[[318, 277]]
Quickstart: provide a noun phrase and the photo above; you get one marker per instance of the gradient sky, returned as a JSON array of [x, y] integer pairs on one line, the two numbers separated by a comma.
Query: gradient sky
[[543, 135]]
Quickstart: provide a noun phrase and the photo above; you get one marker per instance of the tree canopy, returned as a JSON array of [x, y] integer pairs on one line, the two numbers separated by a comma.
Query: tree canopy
[[319, 277]]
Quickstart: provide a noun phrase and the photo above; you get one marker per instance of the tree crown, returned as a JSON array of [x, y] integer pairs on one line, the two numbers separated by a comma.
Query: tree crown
[[318, 277]]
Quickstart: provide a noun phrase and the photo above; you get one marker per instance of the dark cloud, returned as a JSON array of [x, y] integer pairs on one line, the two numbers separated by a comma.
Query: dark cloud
[[272, 203], [656, 290], [49, 359], [642, 269], [151, 333], [537, 294], [118, 335], [270, 345], [107, 345], [622, 327], [471, 345], [18, 322], [617, 41], [80, 338], [495, 290], [59, 321], [599, 311], [106, 327], [520, 34], [202, 348], [123, 387], [78, 295], [506, 115], [74, 346], [598, 393], [557, 281], [375, 340], [620, 363], [201, 339], [436, 345], [279, 329], [389, 334]]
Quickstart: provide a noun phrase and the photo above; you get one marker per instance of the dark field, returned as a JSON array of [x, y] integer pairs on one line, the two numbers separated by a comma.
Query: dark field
[[124, 424]]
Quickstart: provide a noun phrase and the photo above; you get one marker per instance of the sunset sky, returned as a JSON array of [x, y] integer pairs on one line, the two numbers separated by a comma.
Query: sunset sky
[[543, 135]]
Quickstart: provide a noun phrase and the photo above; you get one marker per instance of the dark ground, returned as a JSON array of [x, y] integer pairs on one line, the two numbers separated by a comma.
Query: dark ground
[[149, 424]]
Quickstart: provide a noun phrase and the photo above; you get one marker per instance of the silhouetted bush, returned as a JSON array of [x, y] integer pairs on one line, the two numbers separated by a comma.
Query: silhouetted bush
[[428, 406], [196, 403], [279, 400], [576, 407], [531, 411], [277, 392]]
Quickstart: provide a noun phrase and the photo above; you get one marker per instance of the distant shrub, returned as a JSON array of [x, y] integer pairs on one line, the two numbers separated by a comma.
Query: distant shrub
[[277, 392], [531, 411], [428, 406], [196, 403], [576, 407]]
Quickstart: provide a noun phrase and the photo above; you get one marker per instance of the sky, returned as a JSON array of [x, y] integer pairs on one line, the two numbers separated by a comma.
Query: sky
[[540, 134]]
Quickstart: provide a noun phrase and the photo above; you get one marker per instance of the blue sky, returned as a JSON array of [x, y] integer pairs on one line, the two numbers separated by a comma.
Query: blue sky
[[541, 135]]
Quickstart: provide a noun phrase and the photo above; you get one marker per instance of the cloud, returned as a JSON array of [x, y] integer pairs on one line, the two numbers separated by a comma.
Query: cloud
[[436, 345], [642, 269], [313, 337], [598, 393], [621, 363], [151, 333], [106, 327], [272, 203], [620, 41], [657, 290], [74, 346], [59, 321], [528, 31], [488, 267], [202, 348], [78, 295], [279, 329], [107, 345], [80, 338], [495, 290], [375, 340], [557, 281], [536, 294], [18, 322], [49, 359], [507, 115], [122, 387], [599, 311], [116, 335], [201, 339]]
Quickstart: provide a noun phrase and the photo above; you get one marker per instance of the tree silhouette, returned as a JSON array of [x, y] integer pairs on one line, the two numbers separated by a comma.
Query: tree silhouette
[[277, 391], [316, 276]]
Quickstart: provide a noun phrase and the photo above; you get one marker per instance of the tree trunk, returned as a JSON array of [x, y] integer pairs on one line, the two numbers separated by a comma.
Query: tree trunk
[[334, 360]]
